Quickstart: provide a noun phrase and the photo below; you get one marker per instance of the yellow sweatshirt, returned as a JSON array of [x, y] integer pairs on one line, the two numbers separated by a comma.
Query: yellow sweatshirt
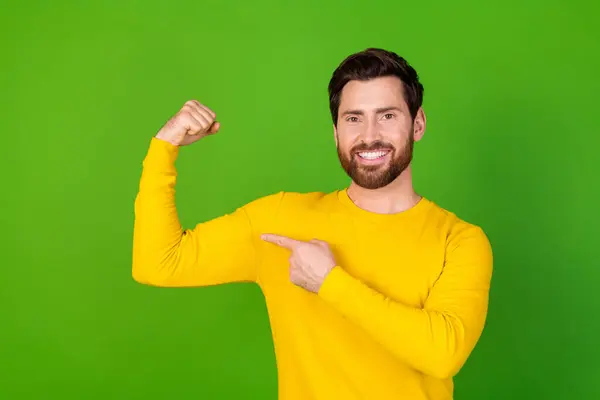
[[396, 319]]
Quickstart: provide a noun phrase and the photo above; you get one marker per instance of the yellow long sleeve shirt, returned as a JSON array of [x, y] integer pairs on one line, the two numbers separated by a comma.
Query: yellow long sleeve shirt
[[396, 319]]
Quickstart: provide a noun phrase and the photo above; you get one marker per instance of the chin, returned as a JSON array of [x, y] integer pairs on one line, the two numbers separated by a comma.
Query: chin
[[375, 173]]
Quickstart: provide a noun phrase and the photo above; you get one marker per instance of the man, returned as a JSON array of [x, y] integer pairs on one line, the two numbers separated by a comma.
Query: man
[[373, 292]]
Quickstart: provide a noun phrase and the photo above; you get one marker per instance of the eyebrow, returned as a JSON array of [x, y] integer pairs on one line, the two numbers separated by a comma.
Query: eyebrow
[[377, 110]]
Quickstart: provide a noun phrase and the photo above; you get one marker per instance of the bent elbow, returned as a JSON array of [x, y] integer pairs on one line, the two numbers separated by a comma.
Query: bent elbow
[[149, 279], [452, 353], [147, 268], [146, 275], [158, 274], [446, 367], [448, 362], [139, 277]]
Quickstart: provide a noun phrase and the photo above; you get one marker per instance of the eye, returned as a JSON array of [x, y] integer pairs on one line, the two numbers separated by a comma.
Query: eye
[[388, 116], [352, 119]]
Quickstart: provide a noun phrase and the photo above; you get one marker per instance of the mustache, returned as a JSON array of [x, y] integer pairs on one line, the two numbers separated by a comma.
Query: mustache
[[376, 145]]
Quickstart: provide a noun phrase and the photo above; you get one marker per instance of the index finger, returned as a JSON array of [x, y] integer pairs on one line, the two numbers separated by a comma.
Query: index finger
[[280, 240], [204, 109]]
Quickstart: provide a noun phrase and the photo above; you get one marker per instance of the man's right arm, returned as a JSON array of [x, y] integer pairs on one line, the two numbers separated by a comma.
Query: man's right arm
[[218, 251]]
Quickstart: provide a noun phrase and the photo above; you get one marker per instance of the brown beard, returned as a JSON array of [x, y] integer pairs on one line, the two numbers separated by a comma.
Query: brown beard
[[376, 176]]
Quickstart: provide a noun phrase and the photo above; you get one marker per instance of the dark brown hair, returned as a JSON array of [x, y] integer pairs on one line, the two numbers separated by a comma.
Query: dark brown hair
[[374, 63]]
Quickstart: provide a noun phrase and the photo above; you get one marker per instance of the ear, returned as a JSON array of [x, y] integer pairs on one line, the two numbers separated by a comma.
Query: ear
[[335, 136], [420, 124]]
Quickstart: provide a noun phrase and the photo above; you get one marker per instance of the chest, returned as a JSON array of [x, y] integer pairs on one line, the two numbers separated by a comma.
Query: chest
[[399, 261]]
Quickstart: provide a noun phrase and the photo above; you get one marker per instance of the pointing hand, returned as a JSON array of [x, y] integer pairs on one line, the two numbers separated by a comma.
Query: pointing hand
[[310, 262]]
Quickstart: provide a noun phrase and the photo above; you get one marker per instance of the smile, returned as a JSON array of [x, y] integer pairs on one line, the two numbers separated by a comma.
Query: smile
[[373, 155]]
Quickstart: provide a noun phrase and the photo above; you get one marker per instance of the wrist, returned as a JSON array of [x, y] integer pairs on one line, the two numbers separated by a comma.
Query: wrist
[[330, 278], [163, 138], [161, 152]]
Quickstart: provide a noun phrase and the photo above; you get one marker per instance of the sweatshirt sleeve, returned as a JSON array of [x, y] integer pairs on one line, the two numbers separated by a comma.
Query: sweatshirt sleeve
[[217, 251], [437, 338]]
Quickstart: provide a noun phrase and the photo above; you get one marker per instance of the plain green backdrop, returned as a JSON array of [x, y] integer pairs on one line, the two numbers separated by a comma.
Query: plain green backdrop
[[511, 95]]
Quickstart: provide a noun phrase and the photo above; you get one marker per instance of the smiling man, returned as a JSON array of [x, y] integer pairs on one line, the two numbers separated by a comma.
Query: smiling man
[[373, 291]]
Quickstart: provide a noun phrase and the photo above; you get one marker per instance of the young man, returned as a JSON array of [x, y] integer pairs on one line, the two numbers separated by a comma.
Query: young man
[[373, 292]]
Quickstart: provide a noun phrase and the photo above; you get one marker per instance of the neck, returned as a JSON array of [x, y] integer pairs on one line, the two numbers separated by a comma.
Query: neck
[[394, 198]]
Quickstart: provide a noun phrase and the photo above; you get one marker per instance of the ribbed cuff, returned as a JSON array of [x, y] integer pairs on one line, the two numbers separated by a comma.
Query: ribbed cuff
[[161, 155], [336, 285]]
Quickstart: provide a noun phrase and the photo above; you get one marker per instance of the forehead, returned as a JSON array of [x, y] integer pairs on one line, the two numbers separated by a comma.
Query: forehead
[[375, 93]]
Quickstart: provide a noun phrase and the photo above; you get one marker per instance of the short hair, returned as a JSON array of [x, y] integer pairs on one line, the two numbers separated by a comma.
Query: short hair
[[374, 63]]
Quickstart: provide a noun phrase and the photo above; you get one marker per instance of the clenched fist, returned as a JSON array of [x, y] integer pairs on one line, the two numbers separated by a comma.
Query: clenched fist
[[193, 122]]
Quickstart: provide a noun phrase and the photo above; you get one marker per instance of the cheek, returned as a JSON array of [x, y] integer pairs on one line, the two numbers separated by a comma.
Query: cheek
[[347, 136], [397, 133], [345, 146], [396, 127]]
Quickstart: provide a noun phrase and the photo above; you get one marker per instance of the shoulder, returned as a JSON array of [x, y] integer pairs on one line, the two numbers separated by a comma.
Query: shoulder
[[460, 234]]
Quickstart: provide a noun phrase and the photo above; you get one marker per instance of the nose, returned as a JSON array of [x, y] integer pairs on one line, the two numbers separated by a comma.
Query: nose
[[371, 131]]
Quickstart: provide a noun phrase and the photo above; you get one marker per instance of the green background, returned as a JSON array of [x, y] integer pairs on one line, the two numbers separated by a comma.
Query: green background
[[511, 98]]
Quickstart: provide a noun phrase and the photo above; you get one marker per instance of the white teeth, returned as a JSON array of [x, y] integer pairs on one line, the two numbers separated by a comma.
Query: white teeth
[[372, 155]]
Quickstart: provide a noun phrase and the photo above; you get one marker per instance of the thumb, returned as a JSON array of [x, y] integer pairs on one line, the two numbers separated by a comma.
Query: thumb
[[214, 128], [320, 243]]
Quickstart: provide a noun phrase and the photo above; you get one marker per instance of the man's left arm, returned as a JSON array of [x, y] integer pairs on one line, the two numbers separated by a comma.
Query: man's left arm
[[438, 338], [435, 339]]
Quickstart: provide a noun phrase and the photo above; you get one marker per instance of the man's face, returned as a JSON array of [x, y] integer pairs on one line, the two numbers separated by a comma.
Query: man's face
[[375, 133]]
